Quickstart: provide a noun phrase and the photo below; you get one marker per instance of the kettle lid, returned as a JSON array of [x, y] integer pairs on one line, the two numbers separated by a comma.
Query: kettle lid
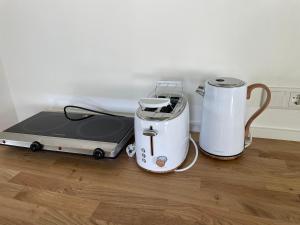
[[226, 82]]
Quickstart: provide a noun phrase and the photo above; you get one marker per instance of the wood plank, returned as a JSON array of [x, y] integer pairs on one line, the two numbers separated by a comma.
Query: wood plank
[[115, 214], [33, 164], [57, 217], [13, 221], [212, 216], [38, 181], [176, 214], [58, 201], [250, 191], [7, 174], [9, 189], [14, 210]]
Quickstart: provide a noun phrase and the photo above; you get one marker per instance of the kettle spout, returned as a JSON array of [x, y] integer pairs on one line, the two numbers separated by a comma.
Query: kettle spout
[[200, 90]]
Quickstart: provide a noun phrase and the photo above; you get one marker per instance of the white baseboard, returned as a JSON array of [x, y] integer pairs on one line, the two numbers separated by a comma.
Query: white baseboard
[[276, 133], [264, 132]]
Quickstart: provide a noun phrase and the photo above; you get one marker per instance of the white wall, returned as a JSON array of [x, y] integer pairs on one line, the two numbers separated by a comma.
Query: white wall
[[109, 53], [7, 110]]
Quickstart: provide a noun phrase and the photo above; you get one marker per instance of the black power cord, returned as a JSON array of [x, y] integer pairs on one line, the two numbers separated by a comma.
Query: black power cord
[[85, 109]]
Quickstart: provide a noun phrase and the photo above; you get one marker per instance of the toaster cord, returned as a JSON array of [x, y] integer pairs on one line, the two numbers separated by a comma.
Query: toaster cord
[[195, 158]]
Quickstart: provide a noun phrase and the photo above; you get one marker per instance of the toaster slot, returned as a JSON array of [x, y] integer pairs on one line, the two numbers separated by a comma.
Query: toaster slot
[[166, 109], [169, 108], [150, 109]]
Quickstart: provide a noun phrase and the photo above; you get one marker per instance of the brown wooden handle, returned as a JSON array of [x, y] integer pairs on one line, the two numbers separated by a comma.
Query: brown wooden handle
[[261, 109]]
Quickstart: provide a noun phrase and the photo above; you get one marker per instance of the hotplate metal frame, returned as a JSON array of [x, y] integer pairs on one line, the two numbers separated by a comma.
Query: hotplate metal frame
[[84, 147], [68, 145]]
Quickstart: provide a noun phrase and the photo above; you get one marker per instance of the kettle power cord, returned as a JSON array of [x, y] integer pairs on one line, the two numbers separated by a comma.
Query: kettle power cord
[[131, 152], [248, 141]]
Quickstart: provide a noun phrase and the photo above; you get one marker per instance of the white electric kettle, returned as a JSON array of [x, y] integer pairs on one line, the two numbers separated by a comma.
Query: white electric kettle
[[223, 130]]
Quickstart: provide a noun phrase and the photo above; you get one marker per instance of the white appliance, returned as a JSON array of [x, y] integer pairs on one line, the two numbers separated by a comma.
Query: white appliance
[[162, 129], [223, 128]]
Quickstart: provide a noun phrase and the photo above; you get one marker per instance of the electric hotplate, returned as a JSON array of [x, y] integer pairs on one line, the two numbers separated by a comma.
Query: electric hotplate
[[103, 136]]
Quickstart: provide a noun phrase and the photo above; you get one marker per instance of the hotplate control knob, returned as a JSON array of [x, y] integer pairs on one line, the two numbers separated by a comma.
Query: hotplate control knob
[[36, 146], [98, 153]]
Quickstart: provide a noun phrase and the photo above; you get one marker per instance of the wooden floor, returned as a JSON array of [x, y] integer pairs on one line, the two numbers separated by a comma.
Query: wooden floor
[[261, 187]]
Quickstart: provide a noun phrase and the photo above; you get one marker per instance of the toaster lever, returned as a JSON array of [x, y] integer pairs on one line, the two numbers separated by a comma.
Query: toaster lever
[[200, 90], [150, 132]]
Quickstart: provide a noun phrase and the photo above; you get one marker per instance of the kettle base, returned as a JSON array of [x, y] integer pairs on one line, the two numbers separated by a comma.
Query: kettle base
[[225, 158]]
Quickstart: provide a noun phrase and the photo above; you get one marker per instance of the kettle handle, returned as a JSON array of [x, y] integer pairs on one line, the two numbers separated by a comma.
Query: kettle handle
[[261, 109]]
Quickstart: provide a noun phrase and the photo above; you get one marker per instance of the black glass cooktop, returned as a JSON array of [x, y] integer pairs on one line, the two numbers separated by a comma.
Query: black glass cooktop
[[96, 128]]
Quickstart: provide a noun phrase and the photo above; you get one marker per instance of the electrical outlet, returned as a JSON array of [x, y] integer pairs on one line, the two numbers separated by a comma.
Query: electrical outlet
[[294, 100], [283, 98]]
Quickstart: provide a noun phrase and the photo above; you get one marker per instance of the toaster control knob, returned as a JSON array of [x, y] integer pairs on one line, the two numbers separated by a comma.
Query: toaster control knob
[[98, 153], [36, 146], [161, 161]]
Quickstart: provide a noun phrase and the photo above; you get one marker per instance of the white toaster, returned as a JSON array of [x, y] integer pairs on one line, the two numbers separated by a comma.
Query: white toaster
[[162, 129]]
